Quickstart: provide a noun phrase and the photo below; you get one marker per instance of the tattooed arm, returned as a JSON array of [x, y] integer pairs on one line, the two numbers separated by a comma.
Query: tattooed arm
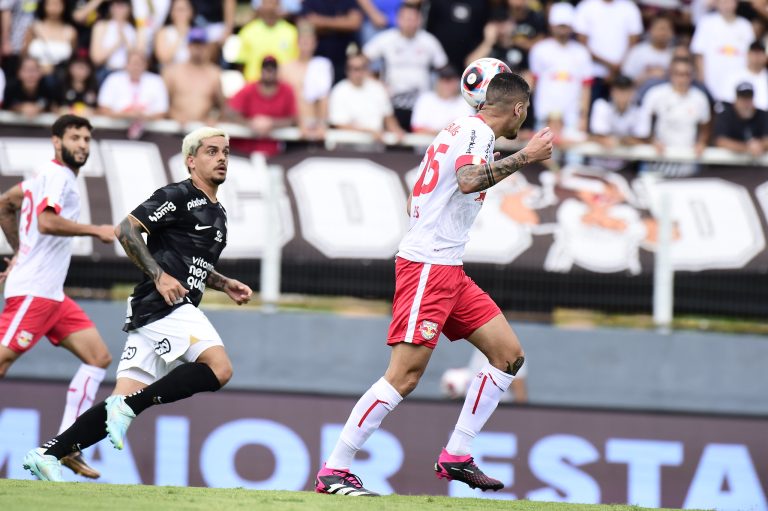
[[475, 178], [236, 290], [128, 233]]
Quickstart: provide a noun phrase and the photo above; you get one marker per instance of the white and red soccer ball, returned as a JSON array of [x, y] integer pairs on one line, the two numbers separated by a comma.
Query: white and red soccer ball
[[477, 76]]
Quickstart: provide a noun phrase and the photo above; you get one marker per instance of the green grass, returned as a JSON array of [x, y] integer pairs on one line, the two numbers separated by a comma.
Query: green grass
[[36, 495]]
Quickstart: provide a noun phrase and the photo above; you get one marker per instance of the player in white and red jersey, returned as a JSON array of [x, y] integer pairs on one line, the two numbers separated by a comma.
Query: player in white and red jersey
[[39, 217], [434, 295]]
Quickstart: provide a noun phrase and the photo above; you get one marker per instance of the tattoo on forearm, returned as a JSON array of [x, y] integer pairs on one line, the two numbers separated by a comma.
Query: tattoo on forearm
[[129, 236], [216, 281], [475, 178]]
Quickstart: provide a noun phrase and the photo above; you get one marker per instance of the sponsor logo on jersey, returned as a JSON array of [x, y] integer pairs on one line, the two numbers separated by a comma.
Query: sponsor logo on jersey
[[194, 203], [428, 330], [472, 141], [24, 339], [219, 236], [128, 353], [453, 129], [162, 210], [163, 347], [199, 227]]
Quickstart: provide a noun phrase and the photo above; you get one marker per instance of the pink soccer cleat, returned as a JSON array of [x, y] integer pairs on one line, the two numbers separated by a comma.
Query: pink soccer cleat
[[463, 468], [340, 482]]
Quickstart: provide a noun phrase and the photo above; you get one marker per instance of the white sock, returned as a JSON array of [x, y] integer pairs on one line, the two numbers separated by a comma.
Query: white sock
[[82, 391], [482, 397], [365, 418]]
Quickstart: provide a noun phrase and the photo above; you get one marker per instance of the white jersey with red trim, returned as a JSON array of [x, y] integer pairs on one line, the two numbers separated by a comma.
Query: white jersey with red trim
[[441, 215], [43, 260]]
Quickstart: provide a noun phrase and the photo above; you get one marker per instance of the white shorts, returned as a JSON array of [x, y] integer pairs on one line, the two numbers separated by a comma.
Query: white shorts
[[153, 350]]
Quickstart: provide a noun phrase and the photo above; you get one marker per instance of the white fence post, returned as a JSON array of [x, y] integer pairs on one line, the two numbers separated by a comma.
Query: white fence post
[[663, 272], [271, 254]]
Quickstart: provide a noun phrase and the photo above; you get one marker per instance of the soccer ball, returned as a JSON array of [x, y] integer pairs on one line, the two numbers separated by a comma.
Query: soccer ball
[[455, 382], [477, 76]]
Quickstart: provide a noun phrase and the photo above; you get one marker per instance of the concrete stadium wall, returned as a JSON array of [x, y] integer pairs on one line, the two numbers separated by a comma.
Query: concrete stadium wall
[[337, 354]]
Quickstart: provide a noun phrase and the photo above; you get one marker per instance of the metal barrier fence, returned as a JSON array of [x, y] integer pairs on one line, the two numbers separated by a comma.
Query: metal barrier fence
[[539, 243]]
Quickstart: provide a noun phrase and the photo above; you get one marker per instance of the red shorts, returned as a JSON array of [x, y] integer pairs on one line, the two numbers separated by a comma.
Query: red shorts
[[25, 319], [432, 298]]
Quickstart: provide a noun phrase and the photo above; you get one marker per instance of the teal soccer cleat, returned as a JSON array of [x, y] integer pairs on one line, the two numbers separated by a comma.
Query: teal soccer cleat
[[43, 466], [119, 417]]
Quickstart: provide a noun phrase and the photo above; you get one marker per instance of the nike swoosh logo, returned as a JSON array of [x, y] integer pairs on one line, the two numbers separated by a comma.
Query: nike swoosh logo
[[199, 227]]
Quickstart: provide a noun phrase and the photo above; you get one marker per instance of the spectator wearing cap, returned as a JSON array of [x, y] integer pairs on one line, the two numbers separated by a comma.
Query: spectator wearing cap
[[28, 94], [311, 77], [562, 71], [78, 92], [720, 43], [172, 39], [740, 126], [361, 103], [615, 122], [134, 93], [676, 114], [336, 23], [609, 28], [650, 59], [435, 109], [266, 105], [194, 86], [756, 74], [408, 54], [268, 34]]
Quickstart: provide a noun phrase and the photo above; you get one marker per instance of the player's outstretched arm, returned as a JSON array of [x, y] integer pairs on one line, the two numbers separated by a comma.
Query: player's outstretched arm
[[48, 222], [128, 233], [10, 204], [236, 290], [476, 178]]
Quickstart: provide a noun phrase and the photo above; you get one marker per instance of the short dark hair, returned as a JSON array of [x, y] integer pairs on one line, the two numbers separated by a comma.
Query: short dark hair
[[507, 88], [69, 121]]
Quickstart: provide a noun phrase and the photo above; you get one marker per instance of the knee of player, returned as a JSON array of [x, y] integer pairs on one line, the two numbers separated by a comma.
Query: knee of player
[[223, 372], [103, 360]]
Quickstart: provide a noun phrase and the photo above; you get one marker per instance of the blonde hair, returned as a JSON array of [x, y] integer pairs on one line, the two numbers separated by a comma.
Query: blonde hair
[[194, 139]]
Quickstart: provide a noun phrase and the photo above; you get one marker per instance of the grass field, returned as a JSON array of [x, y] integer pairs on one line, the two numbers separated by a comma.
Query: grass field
[[16, 495]]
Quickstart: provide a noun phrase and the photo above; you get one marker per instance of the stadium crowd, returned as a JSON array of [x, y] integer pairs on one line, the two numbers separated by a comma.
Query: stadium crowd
[[672, 73]]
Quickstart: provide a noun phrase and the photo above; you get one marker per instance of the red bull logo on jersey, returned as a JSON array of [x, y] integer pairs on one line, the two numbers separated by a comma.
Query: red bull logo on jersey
[[428, 330]]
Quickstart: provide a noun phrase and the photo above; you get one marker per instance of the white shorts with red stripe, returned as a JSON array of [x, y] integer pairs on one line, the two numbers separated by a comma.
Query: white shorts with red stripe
[[433, 298], [25, 319]]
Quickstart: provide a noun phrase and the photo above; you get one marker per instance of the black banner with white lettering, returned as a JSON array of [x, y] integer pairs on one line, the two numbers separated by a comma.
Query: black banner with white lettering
[[578, 237]]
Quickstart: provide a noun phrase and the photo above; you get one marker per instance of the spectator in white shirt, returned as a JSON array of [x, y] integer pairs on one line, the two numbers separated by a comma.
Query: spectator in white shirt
[[608, 28], [676, 114], [616, 122], [562, 70], [134, 93], [650, 59], [756, 74], [408, 54], [720, 44], [361, 103], [434, 110]]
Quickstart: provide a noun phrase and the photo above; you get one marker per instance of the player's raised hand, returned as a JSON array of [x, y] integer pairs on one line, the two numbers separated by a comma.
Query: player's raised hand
[[105, 233], [9, 265], [238, 292], [170, 289], [539, 147]]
